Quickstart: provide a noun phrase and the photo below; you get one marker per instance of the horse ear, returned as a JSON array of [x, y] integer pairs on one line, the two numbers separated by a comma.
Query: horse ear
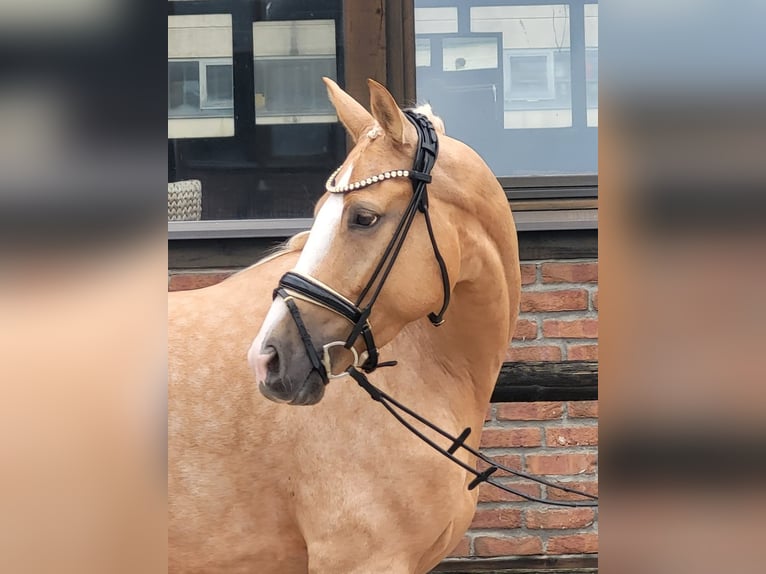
[[350, 112], [388, 114]]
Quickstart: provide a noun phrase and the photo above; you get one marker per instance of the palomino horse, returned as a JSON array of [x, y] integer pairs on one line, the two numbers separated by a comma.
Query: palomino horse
[[340, 487]]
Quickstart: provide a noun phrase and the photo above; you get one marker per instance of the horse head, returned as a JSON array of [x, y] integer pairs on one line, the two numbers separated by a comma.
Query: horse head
[[384, 249]]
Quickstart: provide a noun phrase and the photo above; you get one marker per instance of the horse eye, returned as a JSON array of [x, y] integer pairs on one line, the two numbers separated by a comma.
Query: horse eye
[[364, 219]]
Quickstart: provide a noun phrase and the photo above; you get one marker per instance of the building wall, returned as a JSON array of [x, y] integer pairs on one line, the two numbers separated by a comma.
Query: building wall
[[558, 322]]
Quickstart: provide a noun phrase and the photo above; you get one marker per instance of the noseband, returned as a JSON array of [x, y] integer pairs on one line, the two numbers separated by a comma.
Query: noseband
[[300, 286]]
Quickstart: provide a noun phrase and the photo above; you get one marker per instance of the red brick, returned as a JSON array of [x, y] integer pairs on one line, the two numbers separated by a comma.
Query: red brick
[[510, 438], [574, 329], [565, 300], [525, 329], [510, 460], [582, 352], [533, 353], [571, 436], [488, 414], [570, 272], [507, 546], [560, 518], [541, 411], [528, 273], [586, 543], [463, 547], [589, 487], [488, 493], [497, 518], [574, 463], [187, 281], [594, 299], [583, 409]]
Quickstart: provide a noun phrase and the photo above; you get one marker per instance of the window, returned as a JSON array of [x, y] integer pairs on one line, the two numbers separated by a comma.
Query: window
[[200, 82], [249, 121], [250, 124], [530, 77], [464, 54], [183, 89], [533, 111], [290, 60], [199, 89], [218, 88]]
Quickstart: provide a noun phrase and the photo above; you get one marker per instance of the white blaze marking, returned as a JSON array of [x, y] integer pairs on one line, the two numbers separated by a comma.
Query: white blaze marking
[[277, 310], [322, 233], [324, 228]]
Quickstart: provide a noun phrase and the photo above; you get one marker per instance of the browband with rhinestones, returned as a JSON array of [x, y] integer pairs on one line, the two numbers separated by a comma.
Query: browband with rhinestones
[[332, 188]]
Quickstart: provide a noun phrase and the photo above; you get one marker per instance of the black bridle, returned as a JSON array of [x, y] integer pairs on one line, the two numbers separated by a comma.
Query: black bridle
[[295, 285]]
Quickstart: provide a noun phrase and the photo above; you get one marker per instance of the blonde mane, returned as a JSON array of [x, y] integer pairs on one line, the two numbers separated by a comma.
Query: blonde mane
[[291, 245], [425, 109]]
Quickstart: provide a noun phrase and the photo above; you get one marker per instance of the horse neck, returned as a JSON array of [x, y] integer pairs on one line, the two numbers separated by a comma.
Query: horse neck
[[484, 304]]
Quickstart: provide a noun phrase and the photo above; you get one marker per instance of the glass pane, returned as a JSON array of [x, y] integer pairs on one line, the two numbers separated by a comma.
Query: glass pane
[[435, 20], [461, 54], [251, 132], [529, 77], [591, 62], [200, 87], [532, 36], [183, 89], [526, 97], [290, 60], [422, 52], [220, 86]]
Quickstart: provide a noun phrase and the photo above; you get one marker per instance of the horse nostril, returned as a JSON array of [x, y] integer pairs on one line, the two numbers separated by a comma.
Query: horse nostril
[[272, 365], [265, 364]]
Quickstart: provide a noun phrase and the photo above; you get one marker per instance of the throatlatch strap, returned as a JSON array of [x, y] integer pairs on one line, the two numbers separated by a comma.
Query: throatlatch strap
[[425, 158]]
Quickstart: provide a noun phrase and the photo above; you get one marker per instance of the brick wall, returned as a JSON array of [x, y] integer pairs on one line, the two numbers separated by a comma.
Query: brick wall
[[559, 312], [558, 322]]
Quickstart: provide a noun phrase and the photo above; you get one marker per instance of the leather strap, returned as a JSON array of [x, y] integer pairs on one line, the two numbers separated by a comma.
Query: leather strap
[[311, 351], [308, 288]]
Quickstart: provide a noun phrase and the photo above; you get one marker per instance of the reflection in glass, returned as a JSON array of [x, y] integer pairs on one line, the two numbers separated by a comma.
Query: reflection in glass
[[441, 20], [536, 74], [516, 81], [293, 87], [530, 77], [183, 89], [469, 54], [200, 82], [591, 62], [219, 87], [422, 52], [291, 57]]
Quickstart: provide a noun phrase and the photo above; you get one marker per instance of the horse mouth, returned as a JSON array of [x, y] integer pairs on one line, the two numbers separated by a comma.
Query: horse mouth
[[310, 392]]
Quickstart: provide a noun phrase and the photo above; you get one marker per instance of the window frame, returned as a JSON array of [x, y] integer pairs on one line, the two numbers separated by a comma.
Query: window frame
[[199, 82], [202, 65], [203, 96], [556, 202], [550, 71]]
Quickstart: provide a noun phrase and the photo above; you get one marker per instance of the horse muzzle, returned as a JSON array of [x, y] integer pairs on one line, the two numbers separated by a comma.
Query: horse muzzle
[[285, 379]]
